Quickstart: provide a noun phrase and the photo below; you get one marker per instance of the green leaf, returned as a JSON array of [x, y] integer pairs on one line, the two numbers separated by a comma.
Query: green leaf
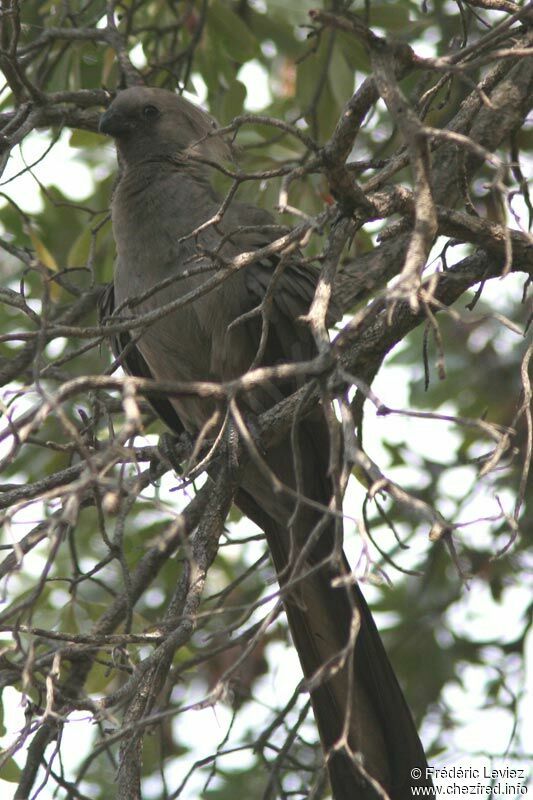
[[42, 252], [83, 139], [233, 101], [213, 62], [277, 28], [3, 729], [99, 678], [233, 34], [308, 77], [341, 78], [295, 13], [76, 615], [354, 51], [79, 252], [390, 17], [11, 772], [109, 64]]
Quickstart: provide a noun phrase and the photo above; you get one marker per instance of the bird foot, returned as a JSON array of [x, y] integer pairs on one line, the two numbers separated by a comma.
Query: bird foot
[[172, 451]]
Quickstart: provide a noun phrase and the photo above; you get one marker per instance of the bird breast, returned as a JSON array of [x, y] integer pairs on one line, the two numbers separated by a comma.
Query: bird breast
[[153, 210]]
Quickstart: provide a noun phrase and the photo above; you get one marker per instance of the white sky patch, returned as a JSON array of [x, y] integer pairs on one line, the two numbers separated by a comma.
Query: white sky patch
[[55, 348], [255, 78], [426, 44], [199, 96], [76, 743], [478, 617], [60, 168], [137, 57]]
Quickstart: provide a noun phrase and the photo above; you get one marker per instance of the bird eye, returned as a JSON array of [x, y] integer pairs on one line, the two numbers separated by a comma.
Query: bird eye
[[150, 112]]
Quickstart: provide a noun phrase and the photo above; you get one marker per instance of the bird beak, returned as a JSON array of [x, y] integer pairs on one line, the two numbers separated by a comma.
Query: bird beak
[[114, 123]]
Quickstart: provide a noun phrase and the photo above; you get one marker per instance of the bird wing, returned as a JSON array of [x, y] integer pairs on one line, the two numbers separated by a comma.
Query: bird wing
[[132, 361]]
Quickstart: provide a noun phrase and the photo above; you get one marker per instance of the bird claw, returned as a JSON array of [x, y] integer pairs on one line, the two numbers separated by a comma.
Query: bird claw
[[172, 450]]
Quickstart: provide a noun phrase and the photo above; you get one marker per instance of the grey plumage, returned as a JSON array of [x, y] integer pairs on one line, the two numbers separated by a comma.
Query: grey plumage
[[162, 196]]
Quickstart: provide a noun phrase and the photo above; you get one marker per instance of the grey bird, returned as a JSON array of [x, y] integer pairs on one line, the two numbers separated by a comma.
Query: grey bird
[[163, 195]]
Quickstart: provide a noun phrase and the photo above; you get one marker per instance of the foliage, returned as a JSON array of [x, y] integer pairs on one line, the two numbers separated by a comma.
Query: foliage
[[95, 535]]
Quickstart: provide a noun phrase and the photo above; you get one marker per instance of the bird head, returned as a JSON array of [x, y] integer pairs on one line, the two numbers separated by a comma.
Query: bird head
[[148, 122]]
